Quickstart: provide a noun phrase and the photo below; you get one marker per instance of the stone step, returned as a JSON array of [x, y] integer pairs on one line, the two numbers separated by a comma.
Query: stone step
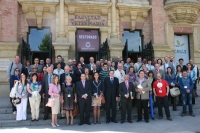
[[103, 114]]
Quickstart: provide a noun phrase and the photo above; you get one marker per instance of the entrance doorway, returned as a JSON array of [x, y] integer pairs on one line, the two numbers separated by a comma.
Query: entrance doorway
[[87, 44], [40, 43]]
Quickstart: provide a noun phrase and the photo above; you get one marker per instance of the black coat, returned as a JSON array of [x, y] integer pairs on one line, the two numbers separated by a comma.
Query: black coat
[[77, 74], [111, 91], [123, 91], [97, 87], [62, 78], [81, 91]]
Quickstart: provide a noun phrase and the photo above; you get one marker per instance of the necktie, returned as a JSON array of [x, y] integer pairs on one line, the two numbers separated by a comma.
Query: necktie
[[83, 84], [127, 87], [111, 80]]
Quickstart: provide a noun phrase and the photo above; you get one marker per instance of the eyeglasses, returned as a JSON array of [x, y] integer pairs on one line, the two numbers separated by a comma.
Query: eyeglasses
[[34, 68], [16, 70]]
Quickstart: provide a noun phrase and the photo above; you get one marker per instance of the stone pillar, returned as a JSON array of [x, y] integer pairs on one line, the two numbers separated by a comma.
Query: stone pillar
[[115, 44], [62, 20], [61, 45]]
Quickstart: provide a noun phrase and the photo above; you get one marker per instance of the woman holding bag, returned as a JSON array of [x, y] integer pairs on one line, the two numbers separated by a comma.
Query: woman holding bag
[[69, 97], [34, 88], [21, 93], [54, 92], [97, 90]]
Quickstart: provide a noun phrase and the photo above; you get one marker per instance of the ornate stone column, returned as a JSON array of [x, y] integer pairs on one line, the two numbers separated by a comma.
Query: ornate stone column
[[61, 45], [115, 44]]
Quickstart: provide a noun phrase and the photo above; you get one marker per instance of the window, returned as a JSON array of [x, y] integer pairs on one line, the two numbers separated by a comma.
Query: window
[[39, 40], [134, 40]]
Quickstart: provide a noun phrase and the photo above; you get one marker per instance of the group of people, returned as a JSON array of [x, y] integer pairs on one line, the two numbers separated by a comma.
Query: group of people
[[123, 85]]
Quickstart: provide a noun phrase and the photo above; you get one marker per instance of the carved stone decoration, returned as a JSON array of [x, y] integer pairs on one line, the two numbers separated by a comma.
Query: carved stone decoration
[[88, 6], [133, 9], [182, 11], [38, 8]]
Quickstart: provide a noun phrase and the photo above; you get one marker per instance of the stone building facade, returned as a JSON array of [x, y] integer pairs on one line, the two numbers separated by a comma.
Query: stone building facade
[[158, 20]]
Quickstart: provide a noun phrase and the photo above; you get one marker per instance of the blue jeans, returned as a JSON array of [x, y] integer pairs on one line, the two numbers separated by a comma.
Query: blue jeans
[[187, 99]]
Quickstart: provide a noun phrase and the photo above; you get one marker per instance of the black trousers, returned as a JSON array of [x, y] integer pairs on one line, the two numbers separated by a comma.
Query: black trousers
[[46, 109], [84, 108], [163, 101], [142, 104], [13, 106], [110, 104], [126, 106]]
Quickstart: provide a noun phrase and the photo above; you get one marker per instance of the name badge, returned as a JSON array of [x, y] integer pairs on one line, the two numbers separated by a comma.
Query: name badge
[[160, 91], [185, 87], [69, 95], [172, 83]]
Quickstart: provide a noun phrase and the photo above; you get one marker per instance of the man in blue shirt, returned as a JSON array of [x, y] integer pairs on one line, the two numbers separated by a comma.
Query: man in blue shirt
[[186, 87]]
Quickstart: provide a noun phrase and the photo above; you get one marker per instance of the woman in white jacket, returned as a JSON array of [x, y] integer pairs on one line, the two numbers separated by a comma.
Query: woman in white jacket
[[34, 88], [21, 93]]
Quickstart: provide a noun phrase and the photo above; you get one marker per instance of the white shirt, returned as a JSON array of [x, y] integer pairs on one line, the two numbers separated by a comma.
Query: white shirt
[[58, 72], [150, 67], [166, 66], [120, 75]]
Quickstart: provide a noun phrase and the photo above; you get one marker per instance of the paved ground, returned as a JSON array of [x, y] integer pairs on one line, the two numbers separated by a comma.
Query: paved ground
[[179, 124]]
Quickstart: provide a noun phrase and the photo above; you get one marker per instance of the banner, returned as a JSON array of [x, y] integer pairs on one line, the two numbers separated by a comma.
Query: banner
[[181, 48], [87, 40]]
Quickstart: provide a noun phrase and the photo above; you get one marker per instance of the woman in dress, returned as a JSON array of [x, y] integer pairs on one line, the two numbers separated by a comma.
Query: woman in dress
[[178, 76], [97, 91], [160, 62], [69, 97], [21, 92], [34, 88], [151, 80], [170, 77], [13, 78], [54, 92]]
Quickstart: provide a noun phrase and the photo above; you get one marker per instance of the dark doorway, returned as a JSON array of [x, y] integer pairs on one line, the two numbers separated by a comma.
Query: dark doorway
[[134, 56], [87, 56]]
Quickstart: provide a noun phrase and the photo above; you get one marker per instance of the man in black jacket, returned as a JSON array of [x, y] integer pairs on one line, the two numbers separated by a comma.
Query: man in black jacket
[[83, 91], [127, 92], [111, 94], [59, 59]]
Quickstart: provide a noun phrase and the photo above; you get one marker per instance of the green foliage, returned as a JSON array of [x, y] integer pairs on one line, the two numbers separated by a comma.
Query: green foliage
[[44, 46]]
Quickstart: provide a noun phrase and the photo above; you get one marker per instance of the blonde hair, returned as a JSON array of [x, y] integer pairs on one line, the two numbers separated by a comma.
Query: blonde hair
[[68, 77], [53, 79]]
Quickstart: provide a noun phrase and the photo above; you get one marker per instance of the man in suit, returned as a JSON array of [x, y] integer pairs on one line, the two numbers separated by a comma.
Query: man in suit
[[48, 62], [83, 63], [138, 65], [181, 64], [47, 79], [83, 91], [94, 67], [111, 85], [90, 65], [127, 92], [59, 59], [158, 70], [36, 63], [167, 64], [67, 73]]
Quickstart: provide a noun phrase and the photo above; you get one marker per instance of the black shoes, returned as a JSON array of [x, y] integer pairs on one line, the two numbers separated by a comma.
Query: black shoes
[[107, 121], [115, 121], [81, 123], [170, 119], [160, 117], [147, 121], [130, 121], [122, 122], [139, 120], [45, 118]]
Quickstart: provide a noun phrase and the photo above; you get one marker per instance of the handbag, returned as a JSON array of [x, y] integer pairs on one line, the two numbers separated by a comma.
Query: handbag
[[103, 101], [16, 100], [175, 91], [13, 90], [50, 102], [96, 100], [75, 112]]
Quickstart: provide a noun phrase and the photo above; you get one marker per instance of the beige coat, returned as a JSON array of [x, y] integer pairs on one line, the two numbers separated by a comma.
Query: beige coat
[[146, 88]]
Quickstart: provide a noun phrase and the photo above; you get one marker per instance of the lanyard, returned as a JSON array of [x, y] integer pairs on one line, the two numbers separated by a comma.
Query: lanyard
[[23, 88], [17, 65], [97, 86], [184, 81], [68, 88], [80, 71]]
